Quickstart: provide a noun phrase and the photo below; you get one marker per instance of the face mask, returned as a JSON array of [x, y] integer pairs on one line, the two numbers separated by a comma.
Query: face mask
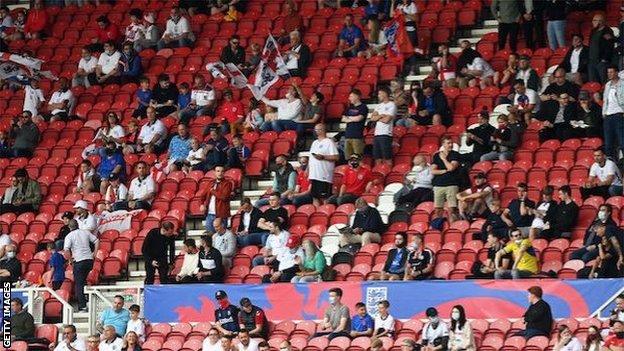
[[518, 241], [223, 303], [354, 164], [620, 335], [284, 349], [332, 300], [602, 215], [455, 316], [303, 166], [434, 320], [10, 254]]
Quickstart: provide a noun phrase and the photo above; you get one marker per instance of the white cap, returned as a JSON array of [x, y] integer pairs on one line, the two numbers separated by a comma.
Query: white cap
[[81, 204]]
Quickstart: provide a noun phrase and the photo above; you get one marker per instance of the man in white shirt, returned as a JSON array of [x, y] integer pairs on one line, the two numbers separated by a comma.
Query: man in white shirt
[[383, 115], [613, 113], [85, 219], [178, 32], [61, 103], [288, 110], [78, 243], [324, 155], [202, 100], [153, 133], [604, 179], [384, 322], [525, 101], [71, 341], [190, 264], [86, 69], [33, 98], [212, 343], [575, 61], [275, 243], [417, 186], [289, 258], [245, 343], [107, 68], [479, 72], [111, 342], [224, 241], [435, 329], [473, 201], [142, 189]]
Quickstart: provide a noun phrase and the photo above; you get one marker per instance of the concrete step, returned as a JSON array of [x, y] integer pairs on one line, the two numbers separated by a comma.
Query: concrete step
[[481, 32], [492, 23]]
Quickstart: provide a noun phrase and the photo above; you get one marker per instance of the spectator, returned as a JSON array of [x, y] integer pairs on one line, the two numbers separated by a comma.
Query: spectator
[[417, 185], [10, 266], [444, 67], [480, 137], [288, 110], [461, 336], [216, 149], [27, 196], [351, 39], [301, 194], [253, 60], [218, 193], [224, 241], [576, 61], [211, 268], [362, 323], [111, 340], [615, 341], [445, 169], [253, 320], [288, 261], [179, 148], [135, 28], [384, 322], [544, 213], [112, 162], [355, 117], [164, 97], [6, 22], [494, 222], [357, 181], [274, 214], [367, 226], [555, 121], [130, 63], [196, 157], [130, 144], [376, 345], [9, 192], [158, 251], [93, 342], [153, 133], [226, 315], [527, 74], [603, 225], [233, 113], [116, 316], [613, 113], [60, 239], [107, 68], [22, 322], [211, 343], [61, 103], [310, 115], [593, 340], [564, 217], [606, 264], [383, 116], [618, 312], [143, 98], [142, 189], [291, 21], [148, 38], [420, 260], [604, 178], [33, 99], [505, 139], [538, 318], [245, 343], [321, 169], [586, 120], [274, 244], [399, 96], [477, 72], [5, 149], [312, 266], [297, 57], [394, 268], [525, 101], [555, 12], [474, 201], [114, 132], [486, 269], [71, 341], [88, 180], [508, 14], [177, 33], [435, 334], [233, 53], [336, 320], [78, 242], [57, 266], [106, 32], [560, 86], [508, 74], [601, 40], [525, 263], [136, 324], [190, 264], [248, 232], [466, 57], [519, 212], [433, 108], [238, 153], [131, 342]]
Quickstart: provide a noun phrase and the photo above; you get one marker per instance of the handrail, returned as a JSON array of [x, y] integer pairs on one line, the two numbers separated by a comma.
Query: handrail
[[68, 309], [602, 307]]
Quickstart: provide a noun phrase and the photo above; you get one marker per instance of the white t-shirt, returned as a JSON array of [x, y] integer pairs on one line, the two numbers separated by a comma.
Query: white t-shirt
[[207, 346], [529, 97], [137, 326], [253, 346], [60, 96], [32, 98], [109, 62], [387, 324], [140, 188], [573, 345], [431, 334], [479, 64], [575, 59], [133, 31], [603, 172], [410, 9], [199, 153], [149, 131], [538, 222], [385, 108], [202, 97], [78, 344], [422, 177], [524, 75], [277, 242], [88, 223], [286, 258], [116, 345], [489, 198], [115, 195], [286, 110], [322, 170], [88, 66], [613, 105], [117, 132], [177, 28], [5, 240]]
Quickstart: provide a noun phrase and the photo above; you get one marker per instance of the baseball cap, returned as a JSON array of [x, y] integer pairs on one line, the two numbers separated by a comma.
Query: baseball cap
[[431, 312], [220, 294], [245, 302], [293, 241], [68, 215], [81, 204], [584, 95], [20, 172]]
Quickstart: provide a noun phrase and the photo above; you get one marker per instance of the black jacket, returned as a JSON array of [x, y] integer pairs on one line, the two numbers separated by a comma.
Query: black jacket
[[14, 266], [440, 105], [601, 48], [539, 317], [565, 217], [483, 132], [217, 273], [494, 223], [583, 60], [369, 220], [304, 61], [236, 57], [256, 214], [158, 247], [466, 58]]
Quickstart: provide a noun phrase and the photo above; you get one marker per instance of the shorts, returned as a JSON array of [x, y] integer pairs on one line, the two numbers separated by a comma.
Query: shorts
[[446, 194], [354, 146], [320, 190], [382, 147]]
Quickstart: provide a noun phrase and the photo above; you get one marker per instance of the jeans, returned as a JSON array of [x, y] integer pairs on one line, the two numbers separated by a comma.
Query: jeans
[[613, 134], [304, 199], [529, 333], [306, 279], [556, 34], [17, 209], [513, 274], [209, 222], [189, 112], [81, 271], [257, 239], [597, 71], [495, 155], [511, 30], [584, 254], [283, 124], [331, 335], [174, 44]]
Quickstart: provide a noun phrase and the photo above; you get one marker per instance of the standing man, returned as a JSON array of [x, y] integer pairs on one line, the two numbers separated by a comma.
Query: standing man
[[86, 220], [218, 193], [321, 169], [445, 170], [538, 317], [25, 135], [78, 243], [601, 40], [355, 118], [613, 112], [22, 322], [383, 116], [508, 15], [158, 250]]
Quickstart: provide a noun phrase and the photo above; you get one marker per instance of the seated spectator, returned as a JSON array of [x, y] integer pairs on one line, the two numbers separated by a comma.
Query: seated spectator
[[153, 133], [26, 197], [399, 96], [505, 139], [606, 264], [10, 266], [85, 75], [179, 148], [113, 132], [226, 315], [357, 180], [566, 340], [446, 178], [61, 103], [130, 143], [111, 340], [604, 178], [216, 149], [376, 40], [564, 218], [336, 320], [525, 263], [525, 101], [433, 108], [248, 232], [5, 240], [302, 193], [538, 317], [177, 32], [288, 110], [556, 119], [245, 343], [253, 60], [196, 157], [22, 322], [238, 153], [284, 181], [312, 265], [136, 324], [11, 190], [486, 269], [202, 100], [164, 96], [232, 14], [289, 260], [211, 268], [474, 201], [224, 241], [88, 180], [559, 86], [5, 146], [211, 342], [297, 57], [190, 264], [527, 74], [435, 334], [508, 74], [111, 162], [615, 341], [311, 114], [417, 187], [594, 339], [291, 21], [477, 73], [253, 320], [444, 66], [576, 60], [71, 340], [544, 213], [603, 225], [383, 115], [116, 317], [351, 39], [618, 312], [274, 244], [107, 68], [494, 223], [355, 117], [142, 189], [362, 324], [480, 137], [466, 57], [131, 342], [420, 261], [384, 322], [106, 32], [394, 268], [218, 193], [6, 22], [461, 335], [147, 38], [233, 53], [130, 64], [367, 226], [135, 27], [519, 212], [233, 113], [586, 119], [184, 97], [143, 98]]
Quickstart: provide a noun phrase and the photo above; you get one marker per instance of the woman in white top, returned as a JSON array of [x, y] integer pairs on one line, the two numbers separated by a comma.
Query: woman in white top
[[384, 322], [149, 35], [461, 337], [566, 341], [409, 10], [383, 115], [110, 130], [593, 340]]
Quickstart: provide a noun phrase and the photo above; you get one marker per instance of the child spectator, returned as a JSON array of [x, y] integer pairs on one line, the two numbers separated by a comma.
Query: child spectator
[[143, 97], [184, 97], [362, 323], [384, 322], [33, 99], [202, 100], [136, 324], [130, 143], [253, 118], [195, 158], [57, 266]]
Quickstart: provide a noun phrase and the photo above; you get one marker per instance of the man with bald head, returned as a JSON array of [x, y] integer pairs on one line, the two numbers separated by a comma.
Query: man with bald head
[[10, 266], [417, 185], [224, 241], [601, 44]]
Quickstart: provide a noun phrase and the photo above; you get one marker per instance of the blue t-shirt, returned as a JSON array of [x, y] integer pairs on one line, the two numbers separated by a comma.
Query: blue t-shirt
[[184, 100], [179, 148], [355, 130], [108, 164], [349, 34], [119, 320], [428, 105], [57, 261], [396, 266], [144, 96], [371, 10], [362, 324]]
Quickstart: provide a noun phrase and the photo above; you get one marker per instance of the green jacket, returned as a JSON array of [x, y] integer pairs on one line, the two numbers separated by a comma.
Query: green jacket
[[316, 263], [22, 325], [30, 193], [508, 11]]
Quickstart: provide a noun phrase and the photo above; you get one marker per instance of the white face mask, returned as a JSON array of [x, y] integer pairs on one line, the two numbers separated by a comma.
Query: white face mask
[[419, 168], [518, 241], [288, 95], [455, 316], [602, 215], [284, 349], [332, 299], [10, 254]]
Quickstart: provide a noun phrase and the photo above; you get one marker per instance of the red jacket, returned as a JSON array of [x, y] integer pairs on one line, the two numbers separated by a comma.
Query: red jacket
[[36, 21], [222, 192], [111, 32], [355, 180]]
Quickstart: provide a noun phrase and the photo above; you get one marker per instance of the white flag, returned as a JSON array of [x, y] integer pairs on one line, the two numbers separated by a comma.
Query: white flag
[[216, 69], [271, 53], [237, 78], [265, 78]]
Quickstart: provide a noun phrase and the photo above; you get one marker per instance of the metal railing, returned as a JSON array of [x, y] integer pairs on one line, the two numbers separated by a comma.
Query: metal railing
[[598, 312], [101, 297], [35, 303]]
